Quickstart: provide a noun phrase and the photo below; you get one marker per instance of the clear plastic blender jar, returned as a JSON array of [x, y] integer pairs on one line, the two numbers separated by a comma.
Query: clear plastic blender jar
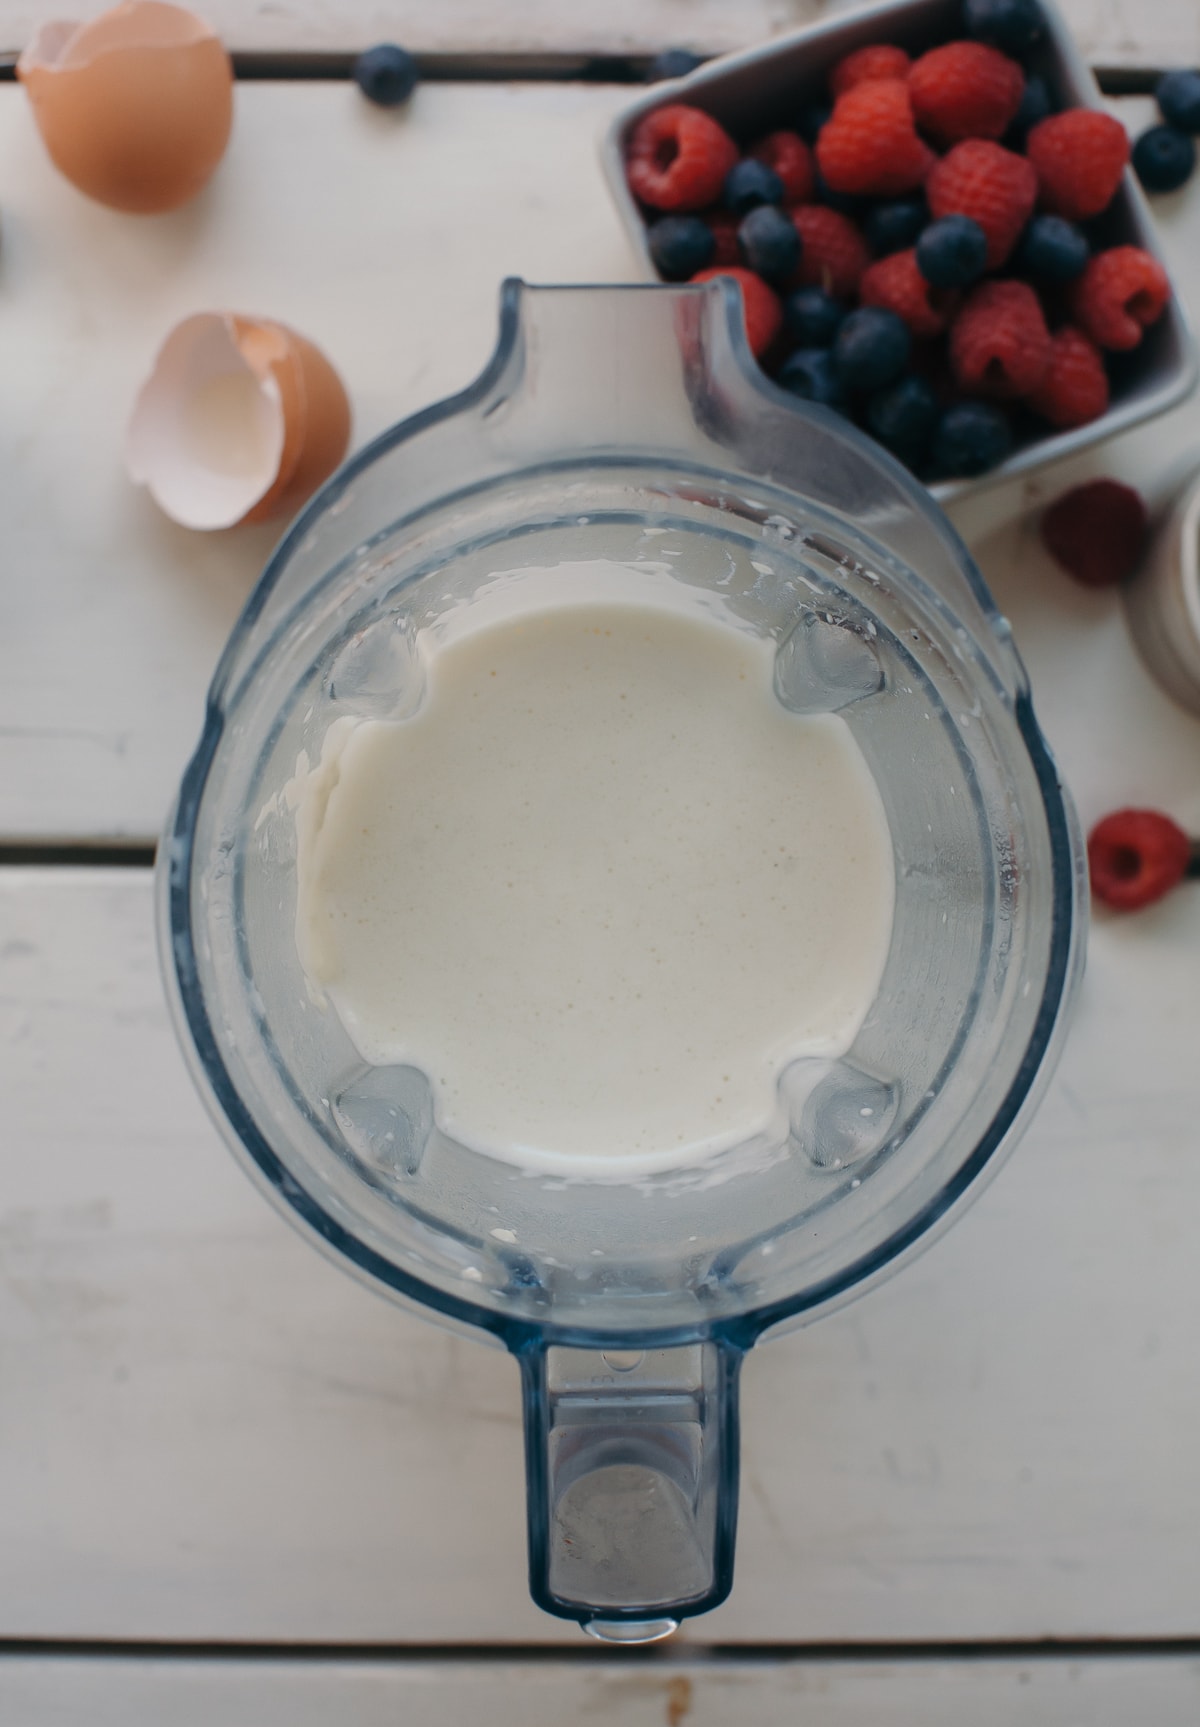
[[610, 422]]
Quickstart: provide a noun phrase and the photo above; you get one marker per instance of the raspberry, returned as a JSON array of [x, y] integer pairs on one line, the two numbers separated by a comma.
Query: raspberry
[[965, 90], [678, 158], [764, 314], [791, 158], [999, 343], [898, 286], [1079, 157], [724, 227], [870, 145], [1075, 389], [877, 60], [991, 185], [1096, 532], [1135, 857], [835, 253], [1120, 292]]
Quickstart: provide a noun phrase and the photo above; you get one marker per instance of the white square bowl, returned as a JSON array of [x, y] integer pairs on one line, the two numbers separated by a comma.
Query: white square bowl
[[762, 88]]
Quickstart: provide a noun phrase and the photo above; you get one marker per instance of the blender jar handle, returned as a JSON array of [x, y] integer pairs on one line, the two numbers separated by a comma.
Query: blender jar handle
[[631, 1460]]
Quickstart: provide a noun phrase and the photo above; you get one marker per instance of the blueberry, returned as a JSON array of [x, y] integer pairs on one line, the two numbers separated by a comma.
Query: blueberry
[[1163, 158], [971, 437], [1178, 96], [1052, 250], [812, 119], [893, 226], [1035, 105], [386, 74], [749, 184], [952, 252], [812, 316], [672, 63], [871, 348], [903, 418], [846, 202], [680, 245], [811, 373], [769, 243], [1012, 25]]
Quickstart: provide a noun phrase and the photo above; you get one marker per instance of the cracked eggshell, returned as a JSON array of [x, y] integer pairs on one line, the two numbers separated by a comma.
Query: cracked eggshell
[[240, 420], [135, 106]]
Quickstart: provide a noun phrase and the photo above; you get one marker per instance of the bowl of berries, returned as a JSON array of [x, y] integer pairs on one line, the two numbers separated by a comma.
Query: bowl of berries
[[934, 227]]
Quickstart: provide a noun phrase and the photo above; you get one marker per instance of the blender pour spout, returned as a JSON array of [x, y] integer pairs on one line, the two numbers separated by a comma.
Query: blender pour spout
[[632, 1461]]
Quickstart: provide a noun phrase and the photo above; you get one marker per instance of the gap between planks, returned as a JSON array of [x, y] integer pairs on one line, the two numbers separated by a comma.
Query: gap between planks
[[678, 1654], [583, 68]]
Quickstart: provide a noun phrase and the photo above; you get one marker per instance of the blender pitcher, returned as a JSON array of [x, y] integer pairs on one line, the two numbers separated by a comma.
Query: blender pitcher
[[630, 424]]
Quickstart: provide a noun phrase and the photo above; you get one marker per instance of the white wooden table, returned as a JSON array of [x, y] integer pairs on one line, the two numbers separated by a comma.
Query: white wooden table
[[236, 1487]]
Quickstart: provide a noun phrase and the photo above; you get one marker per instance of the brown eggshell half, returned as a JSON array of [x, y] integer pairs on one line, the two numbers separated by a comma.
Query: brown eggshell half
[[135, 107], [326, 429], [240, 420]]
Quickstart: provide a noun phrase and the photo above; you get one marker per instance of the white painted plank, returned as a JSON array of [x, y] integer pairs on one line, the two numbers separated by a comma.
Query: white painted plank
[[1106, 1692], [382, 238], [110, 618], [1111, 32], [209, 1432]]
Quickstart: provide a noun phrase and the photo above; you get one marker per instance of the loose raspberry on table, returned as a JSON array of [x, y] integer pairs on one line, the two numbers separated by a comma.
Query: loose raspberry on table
[[877, 60], [834, 253], [896, 284], [1075, 388], [1135, 857], [1079, 157], [965, 90], [1097, 532], [992, 185], [999, 343], [678, 158], [869, 146], [791, 159], [1119, 294], [763, 312]]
